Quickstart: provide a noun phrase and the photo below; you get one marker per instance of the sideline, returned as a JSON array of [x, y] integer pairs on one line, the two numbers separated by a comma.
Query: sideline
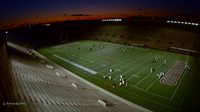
[[77, 65]]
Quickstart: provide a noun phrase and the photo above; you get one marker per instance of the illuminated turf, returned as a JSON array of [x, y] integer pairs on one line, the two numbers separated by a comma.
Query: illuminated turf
[[134, 63]]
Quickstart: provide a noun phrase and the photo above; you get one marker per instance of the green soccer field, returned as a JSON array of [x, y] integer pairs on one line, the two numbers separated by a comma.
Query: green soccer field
[[93, 60]]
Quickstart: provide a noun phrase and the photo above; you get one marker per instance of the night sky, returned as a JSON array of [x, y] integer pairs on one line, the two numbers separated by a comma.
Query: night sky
[[15, 12]]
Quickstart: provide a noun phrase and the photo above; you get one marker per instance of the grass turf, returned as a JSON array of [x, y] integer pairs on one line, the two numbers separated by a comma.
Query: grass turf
[[144, 88]]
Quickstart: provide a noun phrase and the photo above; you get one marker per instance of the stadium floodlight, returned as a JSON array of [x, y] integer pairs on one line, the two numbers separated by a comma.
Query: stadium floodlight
[[47, 24], [189, 23], [182, 22], [179, 22], [193, 23], [168, 21], [175, 21], [119, 19], [111, 20], [196, 24], [172, 21], [6, 32], [186, 22]]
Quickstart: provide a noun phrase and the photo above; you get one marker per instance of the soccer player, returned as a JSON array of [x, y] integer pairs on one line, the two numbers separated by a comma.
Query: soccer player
[[110, 77], [90, 49], [126, 83], [104, 76], [151, 70], [156, 58], [165, 61], [123, 82], [187, 68], [161, 75], [120, 84], [57, 73]]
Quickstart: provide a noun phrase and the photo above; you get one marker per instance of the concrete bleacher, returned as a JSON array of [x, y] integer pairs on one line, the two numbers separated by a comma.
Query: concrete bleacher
[[41, 91], [44, 91], [154, 37]]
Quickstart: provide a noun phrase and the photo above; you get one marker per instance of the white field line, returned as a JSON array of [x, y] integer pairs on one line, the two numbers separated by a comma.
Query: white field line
[[76, 54], [157, 79], [77, 65], [117, 62], [148, 74], [69, 52], [123, 56], [184, 95], [142, 70], [85, 61], [135, 66], [133, 74], [93, 55], [86, 57], [177, 86], [94, 58], [166, 98], [152, 100], [129, 69], [99, 62], [97, 58], [151, 84], [130, 62]]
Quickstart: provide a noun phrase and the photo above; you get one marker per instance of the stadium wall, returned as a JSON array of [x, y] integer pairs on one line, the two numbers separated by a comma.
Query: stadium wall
[[8, 90]]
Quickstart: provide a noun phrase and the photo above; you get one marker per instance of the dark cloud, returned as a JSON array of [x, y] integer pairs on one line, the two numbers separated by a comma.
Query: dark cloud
[[80, 15]]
